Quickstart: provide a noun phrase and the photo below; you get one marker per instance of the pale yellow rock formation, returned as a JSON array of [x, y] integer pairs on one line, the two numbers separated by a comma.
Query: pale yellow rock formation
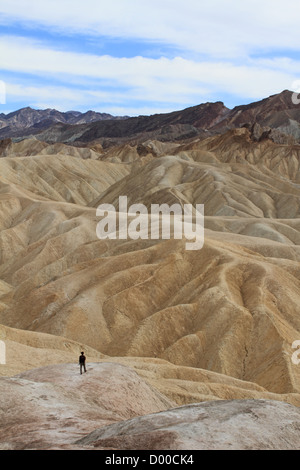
[[198, 325]]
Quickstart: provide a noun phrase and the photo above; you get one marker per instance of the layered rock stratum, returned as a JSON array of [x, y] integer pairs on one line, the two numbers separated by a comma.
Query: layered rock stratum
[[186, 327]]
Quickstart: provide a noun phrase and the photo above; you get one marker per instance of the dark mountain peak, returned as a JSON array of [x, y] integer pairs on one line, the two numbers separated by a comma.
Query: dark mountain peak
[[276, 102], [25, 110], [277, 111], [282, 101]]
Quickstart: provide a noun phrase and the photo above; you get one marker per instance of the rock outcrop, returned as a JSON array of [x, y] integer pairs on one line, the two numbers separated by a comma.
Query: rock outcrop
[[55, 405], [223, 425], [112, 407]]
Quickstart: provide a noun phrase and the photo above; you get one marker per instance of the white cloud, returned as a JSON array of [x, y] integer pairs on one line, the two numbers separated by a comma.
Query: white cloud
[[2, 92], [222, 29], [215, 42], [61, 98], [162, 80]]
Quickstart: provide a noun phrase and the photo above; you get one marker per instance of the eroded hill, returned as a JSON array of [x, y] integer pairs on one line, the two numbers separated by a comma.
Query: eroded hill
[[231, 308]]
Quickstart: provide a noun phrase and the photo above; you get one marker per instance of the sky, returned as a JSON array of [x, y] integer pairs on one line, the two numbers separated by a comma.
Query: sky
[[141, 57]]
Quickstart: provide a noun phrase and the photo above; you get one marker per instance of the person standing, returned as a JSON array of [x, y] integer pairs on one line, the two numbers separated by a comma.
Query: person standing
[[82, 360]]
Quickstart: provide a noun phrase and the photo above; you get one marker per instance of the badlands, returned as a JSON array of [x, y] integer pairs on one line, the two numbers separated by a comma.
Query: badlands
[[185, 349]]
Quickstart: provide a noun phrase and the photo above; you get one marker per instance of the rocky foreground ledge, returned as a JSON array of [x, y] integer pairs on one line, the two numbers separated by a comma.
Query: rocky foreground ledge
[[111, 407]]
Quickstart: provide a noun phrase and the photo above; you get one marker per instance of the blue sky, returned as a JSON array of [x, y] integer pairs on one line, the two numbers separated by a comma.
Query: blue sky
[[132, 57]]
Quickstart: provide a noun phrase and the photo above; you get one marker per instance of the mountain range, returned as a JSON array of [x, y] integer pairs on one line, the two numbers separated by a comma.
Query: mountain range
[[277, 117], [18, 122]]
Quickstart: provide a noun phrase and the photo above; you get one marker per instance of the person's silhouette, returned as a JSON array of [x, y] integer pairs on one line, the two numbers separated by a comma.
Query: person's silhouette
[[82, 360]]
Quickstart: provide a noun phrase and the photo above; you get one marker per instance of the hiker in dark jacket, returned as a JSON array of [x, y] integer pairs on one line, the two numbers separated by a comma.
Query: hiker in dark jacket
[[82, 360]]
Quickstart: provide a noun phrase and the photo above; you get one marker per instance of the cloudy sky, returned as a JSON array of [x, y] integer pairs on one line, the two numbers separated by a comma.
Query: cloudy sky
[[131, 57]]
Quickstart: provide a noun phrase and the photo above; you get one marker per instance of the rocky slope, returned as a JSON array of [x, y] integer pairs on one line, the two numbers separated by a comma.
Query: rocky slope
[[111, 407], [230, 308], [56, 405], [229, 425], [207, 325], [277, 112]]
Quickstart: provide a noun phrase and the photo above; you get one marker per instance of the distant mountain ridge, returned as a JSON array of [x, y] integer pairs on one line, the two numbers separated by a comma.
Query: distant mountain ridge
[[276, 117], [38, 119]]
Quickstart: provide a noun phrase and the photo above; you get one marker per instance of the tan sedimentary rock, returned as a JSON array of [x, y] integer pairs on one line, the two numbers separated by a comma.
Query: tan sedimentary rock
[[218, 323]]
